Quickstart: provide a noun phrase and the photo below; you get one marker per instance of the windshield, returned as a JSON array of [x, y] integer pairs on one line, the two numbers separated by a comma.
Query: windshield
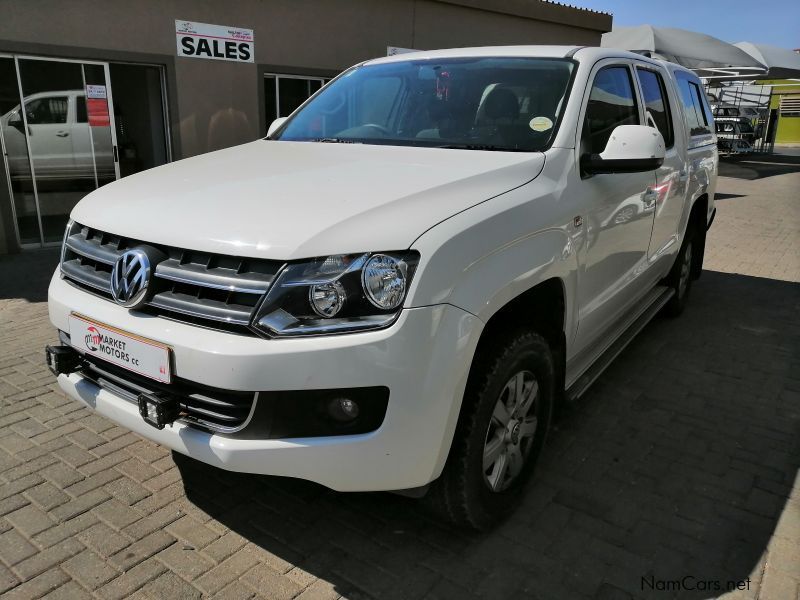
[[510, 104]]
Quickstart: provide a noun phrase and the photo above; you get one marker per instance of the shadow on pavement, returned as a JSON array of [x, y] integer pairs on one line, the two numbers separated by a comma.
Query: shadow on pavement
[[758, 166], [676, 464], [28, 274]]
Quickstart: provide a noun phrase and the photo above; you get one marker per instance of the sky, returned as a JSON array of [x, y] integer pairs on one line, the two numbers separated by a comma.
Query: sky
[[775, 22]]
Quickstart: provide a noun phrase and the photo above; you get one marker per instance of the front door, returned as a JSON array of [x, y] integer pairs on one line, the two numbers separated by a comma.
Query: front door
[[619, 218], [58, 138]]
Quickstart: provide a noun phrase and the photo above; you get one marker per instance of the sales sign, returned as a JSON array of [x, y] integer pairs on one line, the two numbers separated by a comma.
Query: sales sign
[[97, 106], [216, 42]]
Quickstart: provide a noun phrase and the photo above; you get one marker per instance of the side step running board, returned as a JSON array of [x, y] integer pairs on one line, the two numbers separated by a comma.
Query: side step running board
[[637, 321]]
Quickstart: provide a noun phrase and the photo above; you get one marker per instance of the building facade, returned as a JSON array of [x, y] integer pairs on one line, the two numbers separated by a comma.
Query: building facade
[[94, 90]]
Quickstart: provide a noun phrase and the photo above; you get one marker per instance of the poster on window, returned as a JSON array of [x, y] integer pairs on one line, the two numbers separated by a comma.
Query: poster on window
[[97, 106], [215, 42]]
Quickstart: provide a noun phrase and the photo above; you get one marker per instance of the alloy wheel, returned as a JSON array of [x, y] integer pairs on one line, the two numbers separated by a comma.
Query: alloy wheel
[[510, 434]]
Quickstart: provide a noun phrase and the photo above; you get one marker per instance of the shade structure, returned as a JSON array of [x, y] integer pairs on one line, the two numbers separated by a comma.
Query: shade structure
[[698, 51], [780, 63]]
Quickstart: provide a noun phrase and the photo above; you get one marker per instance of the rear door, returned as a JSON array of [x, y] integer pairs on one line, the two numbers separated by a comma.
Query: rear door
[[666, 200]]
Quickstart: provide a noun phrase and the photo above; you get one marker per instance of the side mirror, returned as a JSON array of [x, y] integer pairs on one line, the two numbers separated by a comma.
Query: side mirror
[[274, 125], [630, 149], [15, 121]]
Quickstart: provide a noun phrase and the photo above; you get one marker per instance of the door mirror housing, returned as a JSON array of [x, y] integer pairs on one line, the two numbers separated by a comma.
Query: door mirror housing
[[630, 149], [274, 125]]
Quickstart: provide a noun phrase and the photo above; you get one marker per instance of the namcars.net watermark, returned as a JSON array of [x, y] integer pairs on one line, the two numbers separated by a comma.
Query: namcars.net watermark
[[692, 583]]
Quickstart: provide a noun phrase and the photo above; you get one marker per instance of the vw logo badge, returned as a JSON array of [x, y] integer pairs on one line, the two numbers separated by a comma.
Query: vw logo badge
[[130, 278]]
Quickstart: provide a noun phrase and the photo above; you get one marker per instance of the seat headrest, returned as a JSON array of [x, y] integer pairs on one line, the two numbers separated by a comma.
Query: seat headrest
[[501, 103]]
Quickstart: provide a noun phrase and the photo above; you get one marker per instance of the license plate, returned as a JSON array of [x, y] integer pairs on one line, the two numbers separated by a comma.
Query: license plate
[[126, 350]]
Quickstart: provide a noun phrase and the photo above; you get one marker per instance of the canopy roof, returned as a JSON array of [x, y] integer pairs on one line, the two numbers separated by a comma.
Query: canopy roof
[[707, 55], [780, 63]]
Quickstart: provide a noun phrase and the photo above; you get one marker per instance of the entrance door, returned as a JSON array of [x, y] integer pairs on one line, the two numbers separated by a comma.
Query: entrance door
[[59, 140]]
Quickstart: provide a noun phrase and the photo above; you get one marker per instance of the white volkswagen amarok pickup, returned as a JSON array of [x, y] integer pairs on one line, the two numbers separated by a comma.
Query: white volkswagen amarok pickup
[[395, 289]]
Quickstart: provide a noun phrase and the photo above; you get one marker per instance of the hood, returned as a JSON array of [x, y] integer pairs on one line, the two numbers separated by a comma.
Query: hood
[[288, 200]]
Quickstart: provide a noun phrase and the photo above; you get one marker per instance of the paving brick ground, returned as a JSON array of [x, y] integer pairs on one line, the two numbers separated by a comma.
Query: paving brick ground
[[681, 464]]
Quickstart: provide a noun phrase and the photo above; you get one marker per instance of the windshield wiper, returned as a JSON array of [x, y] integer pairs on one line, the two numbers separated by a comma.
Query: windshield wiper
[[481, 147]]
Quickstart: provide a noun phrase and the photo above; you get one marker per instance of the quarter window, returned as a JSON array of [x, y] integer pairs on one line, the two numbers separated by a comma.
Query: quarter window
[[695, 111], [656, 103], [612, 102]]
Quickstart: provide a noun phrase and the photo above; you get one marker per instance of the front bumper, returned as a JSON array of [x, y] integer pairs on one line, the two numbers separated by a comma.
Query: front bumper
[[423, 359]]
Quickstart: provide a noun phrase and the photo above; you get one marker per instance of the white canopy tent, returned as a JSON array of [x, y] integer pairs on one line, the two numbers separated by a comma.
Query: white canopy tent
[[780, 63], [707, 55]]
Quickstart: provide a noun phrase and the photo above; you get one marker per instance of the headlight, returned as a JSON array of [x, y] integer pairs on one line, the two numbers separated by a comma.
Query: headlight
[[336, 294]]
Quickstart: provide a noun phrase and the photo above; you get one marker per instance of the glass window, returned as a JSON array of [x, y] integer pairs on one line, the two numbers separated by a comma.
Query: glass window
[[656, 103], [80, 109], [47, 110], [693, 107], [702, 104], [506, 104], [612, 102], [283, 94], [291, 94]]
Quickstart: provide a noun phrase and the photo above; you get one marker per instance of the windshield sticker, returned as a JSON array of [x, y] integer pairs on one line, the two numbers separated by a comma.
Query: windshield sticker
[[540, 123]]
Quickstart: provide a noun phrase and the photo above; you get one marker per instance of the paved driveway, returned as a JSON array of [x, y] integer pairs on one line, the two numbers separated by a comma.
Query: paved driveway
[[675, 475]]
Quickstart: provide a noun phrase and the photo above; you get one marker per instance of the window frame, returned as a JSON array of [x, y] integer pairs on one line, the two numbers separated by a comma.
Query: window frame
[[662, 84]]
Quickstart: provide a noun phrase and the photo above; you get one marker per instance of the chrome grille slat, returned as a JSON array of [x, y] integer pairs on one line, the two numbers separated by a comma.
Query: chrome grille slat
[[87, 275], [92, 248], [196, 307], [195, 287], [217, 278]]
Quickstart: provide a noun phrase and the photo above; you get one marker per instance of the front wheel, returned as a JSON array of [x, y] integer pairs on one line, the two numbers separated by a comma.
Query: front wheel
[[502, 428]]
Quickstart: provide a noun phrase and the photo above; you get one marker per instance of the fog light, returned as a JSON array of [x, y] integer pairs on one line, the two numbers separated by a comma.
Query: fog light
[[158, 411], [62, 359], [343, 409]]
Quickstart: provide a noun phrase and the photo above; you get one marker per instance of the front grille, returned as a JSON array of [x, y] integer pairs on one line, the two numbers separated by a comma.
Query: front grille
[[201, 288], [209, 408]]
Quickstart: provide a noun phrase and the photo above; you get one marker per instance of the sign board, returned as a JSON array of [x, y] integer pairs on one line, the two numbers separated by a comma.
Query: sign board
[[392, 50], [97, 106], [96, 91], [215, 42]]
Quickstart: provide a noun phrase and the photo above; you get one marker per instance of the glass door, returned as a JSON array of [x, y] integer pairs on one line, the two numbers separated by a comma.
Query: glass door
[[66, 124], [15, 157]]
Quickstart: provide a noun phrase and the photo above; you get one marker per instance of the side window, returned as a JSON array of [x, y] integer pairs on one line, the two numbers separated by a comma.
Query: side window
[[702, 103], [656, 103], [612, 102], [46, 111], [693, 108]]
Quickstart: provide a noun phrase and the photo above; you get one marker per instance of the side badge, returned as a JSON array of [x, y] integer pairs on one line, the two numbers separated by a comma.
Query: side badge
[[577, 222]]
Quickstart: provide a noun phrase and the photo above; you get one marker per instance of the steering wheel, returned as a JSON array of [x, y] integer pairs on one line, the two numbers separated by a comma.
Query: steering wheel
[[385, 132]]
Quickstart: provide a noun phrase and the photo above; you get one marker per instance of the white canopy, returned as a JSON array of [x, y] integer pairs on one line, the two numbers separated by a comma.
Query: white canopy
[[780, 63], [703, 53]]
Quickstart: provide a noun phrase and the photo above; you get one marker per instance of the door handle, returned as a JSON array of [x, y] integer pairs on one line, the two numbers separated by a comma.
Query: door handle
[[683, 175], [62, 134]]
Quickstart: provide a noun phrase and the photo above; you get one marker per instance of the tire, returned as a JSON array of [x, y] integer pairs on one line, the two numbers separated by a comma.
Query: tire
[[682, 273], [500, 426]]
